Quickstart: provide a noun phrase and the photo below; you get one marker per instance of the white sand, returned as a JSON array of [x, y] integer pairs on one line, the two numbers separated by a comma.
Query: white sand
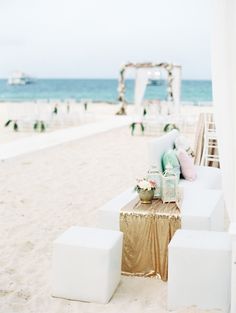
[[44, 193]]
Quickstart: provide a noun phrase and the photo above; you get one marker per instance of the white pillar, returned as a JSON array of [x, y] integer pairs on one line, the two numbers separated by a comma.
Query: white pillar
[[224, 100], [224, 94], [232, 231]]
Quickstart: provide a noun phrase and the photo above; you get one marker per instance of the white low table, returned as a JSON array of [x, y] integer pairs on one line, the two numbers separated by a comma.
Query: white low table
[[201, 210], [86, 264], [199, 270]]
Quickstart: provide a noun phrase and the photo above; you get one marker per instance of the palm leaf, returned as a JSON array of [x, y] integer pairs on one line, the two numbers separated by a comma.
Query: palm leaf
[[8, 123], [142, 127], [169, 127], [43, 127], [55, 110], [36, 125], [132, 126], [15, 126]]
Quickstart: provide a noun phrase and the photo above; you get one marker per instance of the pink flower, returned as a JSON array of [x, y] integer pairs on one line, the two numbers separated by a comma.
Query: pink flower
[[153, 183]]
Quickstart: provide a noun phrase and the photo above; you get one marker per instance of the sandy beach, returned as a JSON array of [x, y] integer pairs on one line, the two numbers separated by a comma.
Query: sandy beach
[[44, 193], [85, 86]]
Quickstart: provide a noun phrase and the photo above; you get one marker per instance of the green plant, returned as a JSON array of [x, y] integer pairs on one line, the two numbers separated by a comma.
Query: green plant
[[168, 127], [55, 110], [14, 123], [39, 126], [133, 126]]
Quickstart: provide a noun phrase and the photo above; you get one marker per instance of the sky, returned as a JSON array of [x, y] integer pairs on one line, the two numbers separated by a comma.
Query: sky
[[92, 38]]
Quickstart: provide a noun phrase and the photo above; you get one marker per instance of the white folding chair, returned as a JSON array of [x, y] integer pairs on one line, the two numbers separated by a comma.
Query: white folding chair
[[44, 112], [210, 148]]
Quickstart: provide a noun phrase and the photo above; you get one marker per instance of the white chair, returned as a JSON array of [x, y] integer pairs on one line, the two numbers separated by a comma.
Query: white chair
[[210, 148], [86, 264], [24, 113], [199, 270], [54, 113], [44, 112]]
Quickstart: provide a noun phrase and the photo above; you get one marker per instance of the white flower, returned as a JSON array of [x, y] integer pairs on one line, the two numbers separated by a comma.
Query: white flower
[[145, 184]]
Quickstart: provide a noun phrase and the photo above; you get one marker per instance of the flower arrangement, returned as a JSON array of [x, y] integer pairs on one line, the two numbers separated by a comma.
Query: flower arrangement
[[145, 189], [145, 184]]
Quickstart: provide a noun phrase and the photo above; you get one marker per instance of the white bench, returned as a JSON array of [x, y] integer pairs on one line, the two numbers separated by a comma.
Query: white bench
[[207, 177], [201, 210], [199, 270], [86, 264]]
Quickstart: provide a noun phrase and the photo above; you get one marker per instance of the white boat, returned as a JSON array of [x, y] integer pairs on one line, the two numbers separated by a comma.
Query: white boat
[[19, 78], [154, 78]]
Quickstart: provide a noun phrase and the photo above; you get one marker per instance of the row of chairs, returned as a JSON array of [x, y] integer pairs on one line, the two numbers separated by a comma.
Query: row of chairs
[[156, 114], [52, 114]]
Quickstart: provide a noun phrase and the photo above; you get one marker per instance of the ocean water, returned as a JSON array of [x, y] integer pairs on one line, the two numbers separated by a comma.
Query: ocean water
[[99, 90]]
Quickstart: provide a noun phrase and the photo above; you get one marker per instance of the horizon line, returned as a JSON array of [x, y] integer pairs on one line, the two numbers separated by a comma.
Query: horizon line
[[97, 78]]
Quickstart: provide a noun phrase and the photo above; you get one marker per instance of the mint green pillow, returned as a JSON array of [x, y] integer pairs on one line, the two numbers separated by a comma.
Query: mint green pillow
[[170, 157]]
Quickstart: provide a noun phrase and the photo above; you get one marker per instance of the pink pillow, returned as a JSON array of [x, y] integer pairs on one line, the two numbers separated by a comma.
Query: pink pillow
[[187, 165]]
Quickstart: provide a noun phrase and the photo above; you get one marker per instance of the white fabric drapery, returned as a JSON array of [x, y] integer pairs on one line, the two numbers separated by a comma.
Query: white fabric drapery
[[141, 81], [176, 87], [224, 99]]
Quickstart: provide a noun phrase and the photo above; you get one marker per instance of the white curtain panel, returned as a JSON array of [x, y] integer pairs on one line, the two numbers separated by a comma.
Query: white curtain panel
[[141, 81], [224, 95], [176, 87]]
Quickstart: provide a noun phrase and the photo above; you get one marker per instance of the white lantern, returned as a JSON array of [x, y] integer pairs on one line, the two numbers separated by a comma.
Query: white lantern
[[156, 176], [169, 186]]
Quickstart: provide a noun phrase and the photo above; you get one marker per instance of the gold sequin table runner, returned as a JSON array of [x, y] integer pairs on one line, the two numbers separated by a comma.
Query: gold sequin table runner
[[148, 229]]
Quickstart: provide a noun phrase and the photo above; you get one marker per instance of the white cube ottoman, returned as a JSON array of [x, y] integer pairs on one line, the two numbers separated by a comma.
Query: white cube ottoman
[[87, 264], [199, 270]]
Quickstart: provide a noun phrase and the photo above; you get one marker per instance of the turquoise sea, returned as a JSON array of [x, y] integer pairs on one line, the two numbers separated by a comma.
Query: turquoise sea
[[98, 90]]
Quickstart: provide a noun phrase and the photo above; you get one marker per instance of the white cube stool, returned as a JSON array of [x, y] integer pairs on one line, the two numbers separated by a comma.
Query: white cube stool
[[87, 264], [203, 210], [199, 270]]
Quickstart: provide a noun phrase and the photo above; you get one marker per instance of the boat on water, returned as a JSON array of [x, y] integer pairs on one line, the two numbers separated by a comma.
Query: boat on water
[[154, 78], [19, 78], [154, 82]]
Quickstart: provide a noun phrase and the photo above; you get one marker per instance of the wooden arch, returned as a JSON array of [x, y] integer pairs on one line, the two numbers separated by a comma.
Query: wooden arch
[[121, 87]]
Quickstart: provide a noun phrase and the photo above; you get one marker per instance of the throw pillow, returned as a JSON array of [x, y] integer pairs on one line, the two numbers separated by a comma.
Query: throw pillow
[[169, 158], [181, 142], [187, 165]]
